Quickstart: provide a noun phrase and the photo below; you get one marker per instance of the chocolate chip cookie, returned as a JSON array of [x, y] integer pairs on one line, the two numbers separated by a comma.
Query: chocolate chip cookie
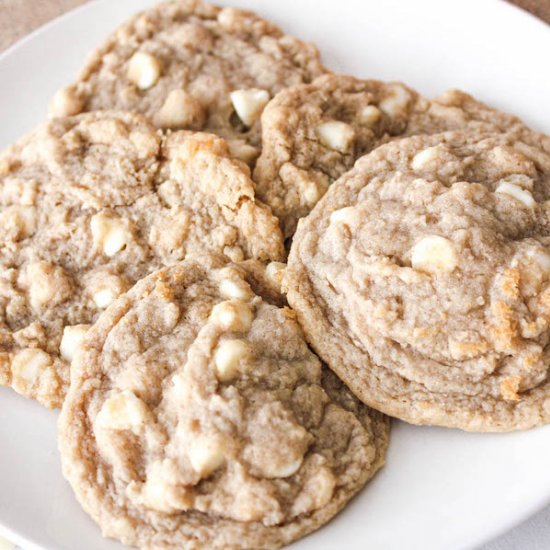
[[423, 279], [199, 418]]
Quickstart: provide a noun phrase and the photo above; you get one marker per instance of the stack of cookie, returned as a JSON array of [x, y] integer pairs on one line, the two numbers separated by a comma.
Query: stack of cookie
[[144, 232]]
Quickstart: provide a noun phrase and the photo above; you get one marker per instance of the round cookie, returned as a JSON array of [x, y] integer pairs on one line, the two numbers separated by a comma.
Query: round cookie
[[89, 205], [313, 133], [187, 64], [197, 417], [423, 279]]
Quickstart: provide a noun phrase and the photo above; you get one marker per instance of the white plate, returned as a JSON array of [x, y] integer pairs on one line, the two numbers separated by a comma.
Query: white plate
[[441, 489]]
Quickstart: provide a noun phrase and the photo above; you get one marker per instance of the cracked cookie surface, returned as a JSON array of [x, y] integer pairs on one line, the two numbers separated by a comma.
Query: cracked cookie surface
[[89, 205], [423, 279], [190, 65], [198, 417], [313, 133]]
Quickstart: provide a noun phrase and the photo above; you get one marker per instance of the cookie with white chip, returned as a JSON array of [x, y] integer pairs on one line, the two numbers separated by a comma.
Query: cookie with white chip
[[89, 205], [423, 279], [198, 417], [190, 65], [313, 133]]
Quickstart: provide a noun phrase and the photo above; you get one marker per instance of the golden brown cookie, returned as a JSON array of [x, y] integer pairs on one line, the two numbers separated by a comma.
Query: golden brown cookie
[[198, 417], [423, 279]]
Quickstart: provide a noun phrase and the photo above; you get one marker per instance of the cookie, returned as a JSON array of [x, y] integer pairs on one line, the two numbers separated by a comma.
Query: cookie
[[313, 133], [197, 417], [187, 64], [89, 205], [423, 279]]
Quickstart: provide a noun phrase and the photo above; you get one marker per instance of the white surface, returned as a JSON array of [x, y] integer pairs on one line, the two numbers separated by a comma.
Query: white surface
[[441, 489], [533, 534]]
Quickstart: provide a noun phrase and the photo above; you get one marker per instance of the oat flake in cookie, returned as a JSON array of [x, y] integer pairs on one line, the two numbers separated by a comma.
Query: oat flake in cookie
[[313, 133], [423, 279], [89, 205], [198, 418], [187, 64]]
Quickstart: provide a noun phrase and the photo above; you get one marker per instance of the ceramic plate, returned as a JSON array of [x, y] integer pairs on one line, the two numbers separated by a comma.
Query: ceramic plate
[[441, 489]]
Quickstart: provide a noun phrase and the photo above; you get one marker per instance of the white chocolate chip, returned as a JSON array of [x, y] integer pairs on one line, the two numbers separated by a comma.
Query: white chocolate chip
[[282, 454], [233, 289], [65, 102], [285, 469], [19, 191], [104, 298], [179, 110], [317, 492], [249, 104], [346, 216], [310, 192], [110, 233], [434, 254], [230, 358], [275, 271], [159, 491], [277, 461], [370, 115], [396, 103], [48, 284], [156, 489], [143, 70], [206, 455], [27, 366], [17, 223], [336, 135], [234, 253], [104, 287], [424, 158], [232, 315], [122, 411], [517, 193], [239, 149], [324, 483], [71, 339]]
